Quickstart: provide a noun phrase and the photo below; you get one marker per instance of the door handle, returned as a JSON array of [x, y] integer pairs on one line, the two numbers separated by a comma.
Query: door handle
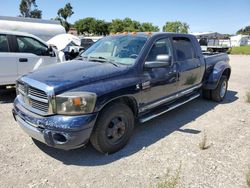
[[23, 60]]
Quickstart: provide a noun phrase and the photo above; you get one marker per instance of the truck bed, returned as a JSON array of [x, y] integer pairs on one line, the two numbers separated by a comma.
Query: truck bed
[[213, 58]]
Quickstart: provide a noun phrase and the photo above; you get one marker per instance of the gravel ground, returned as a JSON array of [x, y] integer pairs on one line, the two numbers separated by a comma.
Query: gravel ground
[[164, 144]]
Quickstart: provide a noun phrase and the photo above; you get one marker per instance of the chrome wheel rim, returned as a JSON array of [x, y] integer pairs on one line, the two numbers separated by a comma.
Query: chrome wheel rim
[[223, 89]]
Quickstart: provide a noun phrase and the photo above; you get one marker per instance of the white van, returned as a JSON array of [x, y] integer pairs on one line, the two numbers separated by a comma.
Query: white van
[[21, 53], [44, 29]]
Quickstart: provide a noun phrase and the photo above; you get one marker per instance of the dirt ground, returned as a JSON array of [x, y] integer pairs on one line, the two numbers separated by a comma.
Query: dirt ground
[[167, 143]]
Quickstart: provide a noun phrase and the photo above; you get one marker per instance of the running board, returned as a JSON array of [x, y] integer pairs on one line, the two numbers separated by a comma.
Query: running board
[[151, 116]]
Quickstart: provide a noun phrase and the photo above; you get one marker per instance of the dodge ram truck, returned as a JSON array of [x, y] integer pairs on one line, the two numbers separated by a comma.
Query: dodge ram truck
[[121, 78]]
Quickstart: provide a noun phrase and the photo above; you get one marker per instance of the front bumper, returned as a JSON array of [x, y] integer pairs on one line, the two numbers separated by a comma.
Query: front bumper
[[63, 132]]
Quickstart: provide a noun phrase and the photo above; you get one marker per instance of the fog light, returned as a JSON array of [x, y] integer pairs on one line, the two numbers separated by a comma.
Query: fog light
[[59, 138]]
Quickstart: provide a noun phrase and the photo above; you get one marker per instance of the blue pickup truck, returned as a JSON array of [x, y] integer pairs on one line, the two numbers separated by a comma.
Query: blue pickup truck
[[121, 78]]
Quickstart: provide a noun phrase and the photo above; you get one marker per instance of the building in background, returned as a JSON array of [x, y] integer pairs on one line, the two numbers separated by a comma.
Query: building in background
[[240, 40], [73, 31]]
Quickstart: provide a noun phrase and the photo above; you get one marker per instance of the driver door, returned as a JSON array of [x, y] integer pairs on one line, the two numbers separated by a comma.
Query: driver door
[[159, 83]]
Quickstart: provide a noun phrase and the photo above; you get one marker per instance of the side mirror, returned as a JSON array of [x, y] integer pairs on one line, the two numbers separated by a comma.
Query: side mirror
[[51, 52], [160, 62]]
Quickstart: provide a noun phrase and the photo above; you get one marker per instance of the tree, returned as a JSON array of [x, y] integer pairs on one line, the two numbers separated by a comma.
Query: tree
[[176, 27], [148, 27], [28, 8], [116, 26], [244, 31], [131, 25], [85, 26], [92, 26], [125, 25], [101, 27], [64, 14]]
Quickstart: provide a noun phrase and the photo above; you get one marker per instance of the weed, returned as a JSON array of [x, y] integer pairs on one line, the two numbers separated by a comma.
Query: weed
[[170, 181], [203, 144], [248, 97], [248, 178]]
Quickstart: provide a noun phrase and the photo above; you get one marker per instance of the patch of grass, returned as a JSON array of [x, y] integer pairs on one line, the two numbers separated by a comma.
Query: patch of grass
[[245, 50], [170, 181], [248, 97], [203, 144], [248, 178]]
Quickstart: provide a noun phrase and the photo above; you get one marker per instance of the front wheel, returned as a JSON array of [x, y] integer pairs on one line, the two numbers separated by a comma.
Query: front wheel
[[220, 92], [113, 128]]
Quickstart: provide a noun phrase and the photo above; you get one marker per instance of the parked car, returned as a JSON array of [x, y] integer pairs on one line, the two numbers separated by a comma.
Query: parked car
[[120, 78], [68, 46], [21, 53], [85, 43]]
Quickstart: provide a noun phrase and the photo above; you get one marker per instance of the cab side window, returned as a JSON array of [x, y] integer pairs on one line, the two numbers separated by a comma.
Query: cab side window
[[160, 47], [4, 44], [30, 45], [184, 48]]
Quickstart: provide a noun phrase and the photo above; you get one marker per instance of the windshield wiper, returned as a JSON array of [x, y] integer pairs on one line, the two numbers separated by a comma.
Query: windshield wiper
[[102, 60]]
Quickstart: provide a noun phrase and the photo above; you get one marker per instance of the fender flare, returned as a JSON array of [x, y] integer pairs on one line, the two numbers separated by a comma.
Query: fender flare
[[220, 68]]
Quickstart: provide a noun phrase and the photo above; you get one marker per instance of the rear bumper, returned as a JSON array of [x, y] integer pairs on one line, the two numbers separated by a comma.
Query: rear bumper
[[63, 132]]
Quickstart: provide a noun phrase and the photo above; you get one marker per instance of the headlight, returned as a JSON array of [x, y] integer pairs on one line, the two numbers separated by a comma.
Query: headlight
[[75, 103]]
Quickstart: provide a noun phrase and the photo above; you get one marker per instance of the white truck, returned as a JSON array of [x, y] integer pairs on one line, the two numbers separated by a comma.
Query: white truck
[[21, 53], [44, 29]]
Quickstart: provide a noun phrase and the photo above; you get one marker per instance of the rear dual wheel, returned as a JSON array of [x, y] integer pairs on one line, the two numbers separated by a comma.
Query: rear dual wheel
[[219, 93]]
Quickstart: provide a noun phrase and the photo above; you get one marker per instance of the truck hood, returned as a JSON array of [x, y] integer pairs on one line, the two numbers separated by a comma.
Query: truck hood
[[69, 75]]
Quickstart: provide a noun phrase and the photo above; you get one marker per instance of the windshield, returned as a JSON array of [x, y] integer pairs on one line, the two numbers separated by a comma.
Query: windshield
[[120, 49]]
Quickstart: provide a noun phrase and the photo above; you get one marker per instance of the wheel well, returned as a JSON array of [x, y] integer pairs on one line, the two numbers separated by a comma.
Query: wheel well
[[129, 101], [227, 73]]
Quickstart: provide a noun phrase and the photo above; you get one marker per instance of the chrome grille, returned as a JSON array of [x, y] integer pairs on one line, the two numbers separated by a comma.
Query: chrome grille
[[21, 88], [39, 105], [35, 99], [37, 93]]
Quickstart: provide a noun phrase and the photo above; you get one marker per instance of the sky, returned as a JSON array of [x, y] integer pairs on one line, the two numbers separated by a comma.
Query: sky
[[223, 16]]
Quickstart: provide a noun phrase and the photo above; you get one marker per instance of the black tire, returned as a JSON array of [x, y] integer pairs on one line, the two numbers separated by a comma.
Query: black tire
[[206, 94], [217, 94], [113, 128]]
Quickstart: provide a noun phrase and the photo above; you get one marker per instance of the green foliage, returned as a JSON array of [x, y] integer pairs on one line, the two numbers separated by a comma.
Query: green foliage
[[245, 50], [148, 27], [129, 25], [244, 31], [176, 27], [116, 26], [125, 25], [28, 8], [36, 13], [64, 14], [92, 26]]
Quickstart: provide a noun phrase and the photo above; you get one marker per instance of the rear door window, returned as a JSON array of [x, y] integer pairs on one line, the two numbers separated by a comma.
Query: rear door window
[[184, 48], [30, 45], [4, 47]]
